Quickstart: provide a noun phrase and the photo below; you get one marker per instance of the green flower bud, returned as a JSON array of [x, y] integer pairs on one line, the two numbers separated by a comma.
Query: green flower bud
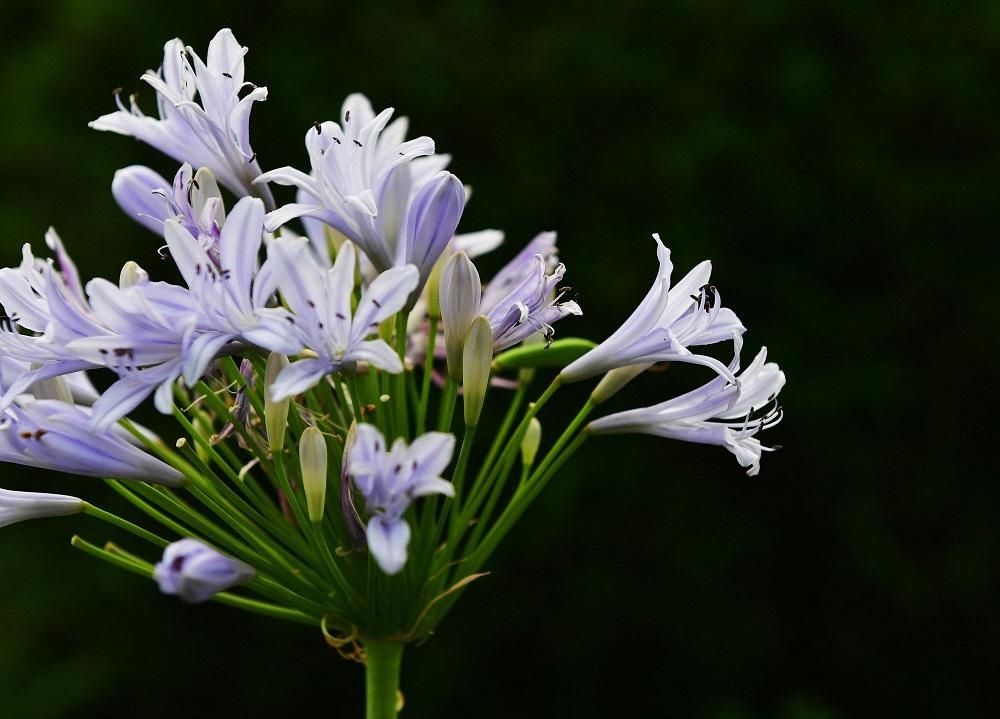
[[532, 440], [477, 356], [614, 380], [275, 413], [312, 462], [461, 292]]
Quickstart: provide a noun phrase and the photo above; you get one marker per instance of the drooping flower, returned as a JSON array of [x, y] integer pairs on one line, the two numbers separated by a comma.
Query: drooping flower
[[195, 572], [19, 506], [390, 479], [720, 413], [323, 321], [51, 434], [666, 323], [212, 131], [389, 196]]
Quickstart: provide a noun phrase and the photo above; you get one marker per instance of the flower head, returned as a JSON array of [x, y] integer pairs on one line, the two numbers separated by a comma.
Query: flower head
[[323, 322], [193, 199], [195, 572], [212, 131], [390, 478], [389, 196], [720, 413], [663, 326]]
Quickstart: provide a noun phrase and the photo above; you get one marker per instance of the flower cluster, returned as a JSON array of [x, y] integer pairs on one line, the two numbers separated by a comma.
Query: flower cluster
[[309, 354]]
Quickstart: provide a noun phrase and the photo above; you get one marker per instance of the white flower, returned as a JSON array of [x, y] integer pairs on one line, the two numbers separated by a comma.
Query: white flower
[[19, 506]]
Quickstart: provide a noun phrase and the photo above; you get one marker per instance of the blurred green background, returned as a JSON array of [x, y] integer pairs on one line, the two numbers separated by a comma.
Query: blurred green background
[[838, 162]]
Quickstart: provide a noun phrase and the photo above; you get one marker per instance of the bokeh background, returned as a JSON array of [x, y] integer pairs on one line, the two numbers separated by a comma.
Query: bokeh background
[[839, 163]]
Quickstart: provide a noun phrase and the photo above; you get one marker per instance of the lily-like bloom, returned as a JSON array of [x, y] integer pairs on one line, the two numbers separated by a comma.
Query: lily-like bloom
[[664, 325], [389, 196], [195, 572], [193, 199], [19, 506], [390, 479], [51, 434], [524, 298], [213, 131], [323, 322], [720, 413], [231, 298]]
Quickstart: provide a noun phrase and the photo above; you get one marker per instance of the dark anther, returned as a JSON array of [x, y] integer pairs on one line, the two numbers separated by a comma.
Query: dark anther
[[291, 320], [117, 91], [317, 128], [335, 139], [39, 433], [311, 304], [358, 143], [195, 183], [103, 351], [340, 316], [25, 434], [197, 269], [397, 468], [347, 116], [226, 74], [376, 303], [253, 157]]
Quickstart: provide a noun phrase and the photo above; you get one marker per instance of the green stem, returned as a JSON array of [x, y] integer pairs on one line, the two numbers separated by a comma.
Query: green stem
[[399, 400], [447, 408], [128, 526], [425, 389], [382, 663]]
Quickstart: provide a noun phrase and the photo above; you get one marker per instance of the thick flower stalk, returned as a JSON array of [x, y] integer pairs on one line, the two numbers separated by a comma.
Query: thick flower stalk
[[329, 364]]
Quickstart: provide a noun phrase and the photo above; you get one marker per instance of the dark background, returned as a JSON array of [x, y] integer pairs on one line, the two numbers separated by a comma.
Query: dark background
[[839, 163]]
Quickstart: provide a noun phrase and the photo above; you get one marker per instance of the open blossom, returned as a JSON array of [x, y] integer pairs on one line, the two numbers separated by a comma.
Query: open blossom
[[195, 572], [720, 413], [666, 323], [390, 479], [193, 199], [51, 434], [389, 196], [524, 298], [212, 131], [323, 321], [19, 506]]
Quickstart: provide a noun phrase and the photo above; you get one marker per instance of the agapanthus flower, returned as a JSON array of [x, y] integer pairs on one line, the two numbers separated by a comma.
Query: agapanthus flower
[[524, 297], [20, 506], [323, 322], [720, 413], [195, 572], [389, 196], [390, 479], [212, 131], [51, 434], [666, 323], [193, 199]]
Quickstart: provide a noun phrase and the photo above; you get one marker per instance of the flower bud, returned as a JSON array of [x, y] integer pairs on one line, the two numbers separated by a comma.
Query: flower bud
[[312, 462], [532, 440], [206, 199], [275, 411], [53, 388], [133, 188], [131, 275], [195, 572], [461, 291], [19, 506], [434, 286], [476, 359], [614, 380]]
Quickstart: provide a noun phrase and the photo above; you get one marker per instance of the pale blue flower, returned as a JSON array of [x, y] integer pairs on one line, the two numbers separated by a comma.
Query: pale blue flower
[[212, 132], [323, 321], [720, 413], [665, 324], [390, 479], [20, 506], [54, 435], [193, 199], [524, 298], [195, 572], [389, 196]]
